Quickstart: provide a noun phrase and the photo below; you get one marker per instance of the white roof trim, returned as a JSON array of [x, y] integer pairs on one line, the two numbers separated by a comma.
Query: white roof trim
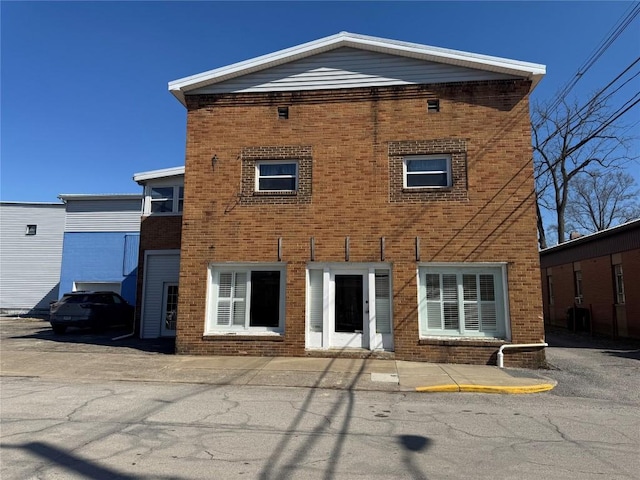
[[154, 174], [532, 71], [99, 196], [32, 204]]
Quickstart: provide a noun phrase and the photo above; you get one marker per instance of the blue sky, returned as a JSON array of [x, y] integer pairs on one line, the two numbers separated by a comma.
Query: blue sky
[[84, 100]]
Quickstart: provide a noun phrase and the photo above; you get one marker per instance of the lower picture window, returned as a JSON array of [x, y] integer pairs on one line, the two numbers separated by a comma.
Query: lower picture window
[[462, 301], [248, 299]]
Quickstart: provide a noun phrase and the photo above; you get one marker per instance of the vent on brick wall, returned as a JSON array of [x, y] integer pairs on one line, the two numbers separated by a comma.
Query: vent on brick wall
[[283, 113], [433, 105]]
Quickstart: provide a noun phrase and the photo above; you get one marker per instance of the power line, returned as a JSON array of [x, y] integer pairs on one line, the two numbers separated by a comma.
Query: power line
[[628, 105], [611, 37], [591, 100]]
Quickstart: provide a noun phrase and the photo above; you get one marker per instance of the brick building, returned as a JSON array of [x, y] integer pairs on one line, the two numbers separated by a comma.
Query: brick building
[[592, 283], [356, 196]]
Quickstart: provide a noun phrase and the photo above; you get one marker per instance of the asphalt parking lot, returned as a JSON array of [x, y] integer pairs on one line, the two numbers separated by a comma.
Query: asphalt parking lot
[[36, 334], [595, 367]]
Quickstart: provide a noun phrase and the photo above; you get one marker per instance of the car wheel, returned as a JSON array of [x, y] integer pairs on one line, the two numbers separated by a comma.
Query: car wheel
[[59, 329]]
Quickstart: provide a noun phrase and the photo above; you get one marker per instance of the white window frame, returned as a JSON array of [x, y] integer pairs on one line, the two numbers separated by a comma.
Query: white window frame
[[499, 270], [175, 207], [577, 279], [406, 173], [213, 284], [619, 284], [276, 162]]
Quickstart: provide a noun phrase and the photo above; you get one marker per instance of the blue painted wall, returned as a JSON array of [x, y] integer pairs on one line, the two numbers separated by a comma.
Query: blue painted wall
[[100, 257]]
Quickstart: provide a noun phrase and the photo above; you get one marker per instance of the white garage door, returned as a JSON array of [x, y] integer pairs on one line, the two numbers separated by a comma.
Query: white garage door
[[160, 270], [97, 286]]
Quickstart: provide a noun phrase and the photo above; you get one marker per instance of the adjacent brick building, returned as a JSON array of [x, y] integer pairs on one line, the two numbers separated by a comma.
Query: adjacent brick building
[[592, 283], [356, 196]]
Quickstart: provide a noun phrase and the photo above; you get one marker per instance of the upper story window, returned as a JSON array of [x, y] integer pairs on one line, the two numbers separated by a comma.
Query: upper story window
[[277, 176], [164, 199], [426, 170], [31, 230], [430, 171]]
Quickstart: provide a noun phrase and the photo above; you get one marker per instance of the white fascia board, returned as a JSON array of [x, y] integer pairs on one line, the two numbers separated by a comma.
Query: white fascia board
[[99, 196], [532, 71], [155, 174]]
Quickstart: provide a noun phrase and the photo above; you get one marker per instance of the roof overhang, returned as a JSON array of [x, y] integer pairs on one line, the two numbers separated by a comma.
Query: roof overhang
[[65, 197], [142, 177], [633, 224], [32, 204], [531, 71]]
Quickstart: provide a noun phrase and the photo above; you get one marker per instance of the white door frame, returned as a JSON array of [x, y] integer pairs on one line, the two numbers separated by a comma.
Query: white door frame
[[164, 331], [326, 339]]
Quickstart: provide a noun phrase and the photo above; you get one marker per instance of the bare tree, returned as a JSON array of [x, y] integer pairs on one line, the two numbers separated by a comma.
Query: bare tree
[[569, 140], [599, 200]]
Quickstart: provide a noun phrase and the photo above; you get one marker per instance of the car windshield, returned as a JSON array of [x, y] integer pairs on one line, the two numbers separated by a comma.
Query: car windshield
[[75, 299]]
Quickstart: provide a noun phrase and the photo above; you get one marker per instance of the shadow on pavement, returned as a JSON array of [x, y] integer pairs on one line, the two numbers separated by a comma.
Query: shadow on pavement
[[337, 426], [620, 347], [77, 465], [41, 330]]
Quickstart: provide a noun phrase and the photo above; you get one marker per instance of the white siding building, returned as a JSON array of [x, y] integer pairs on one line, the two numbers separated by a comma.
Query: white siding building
[[30, 255]]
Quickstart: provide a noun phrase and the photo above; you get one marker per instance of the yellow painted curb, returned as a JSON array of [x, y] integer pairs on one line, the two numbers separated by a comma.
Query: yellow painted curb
[[543, 387], [439, 388]]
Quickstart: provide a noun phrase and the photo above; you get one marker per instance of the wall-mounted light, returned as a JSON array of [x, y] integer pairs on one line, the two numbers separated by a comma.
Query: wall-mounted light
[[214, 160]]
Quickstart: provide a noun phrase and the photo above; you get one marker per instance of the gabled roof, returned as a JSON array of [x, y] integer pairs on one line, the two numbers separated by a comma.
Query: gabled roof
[[155, 174], [532, 71]]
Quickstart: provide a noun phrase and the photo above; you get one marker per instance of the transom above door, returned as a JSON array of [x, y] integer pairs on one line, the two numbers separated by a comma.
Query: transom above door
[[348, 306]]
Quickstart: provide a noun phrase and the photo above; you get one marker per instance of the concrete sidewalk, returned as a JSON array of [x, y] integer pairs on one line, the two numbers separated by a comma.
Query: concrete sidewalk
[[331, 373]]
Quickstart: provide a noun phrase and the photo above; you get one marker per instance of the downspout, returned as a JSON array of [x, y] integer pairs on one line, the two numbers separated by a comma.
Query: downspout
[[516, 345]]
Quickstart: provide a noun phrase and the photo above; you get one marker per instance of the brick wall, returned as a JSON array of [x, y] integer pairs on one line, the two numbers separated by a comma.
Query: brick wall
[[353, 135], [631, 265], [598, 287]]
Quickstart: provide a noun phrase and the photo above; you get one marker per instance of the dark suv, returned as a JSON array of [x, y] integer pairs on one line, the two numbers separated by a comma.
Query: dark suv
[[97, 310]]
